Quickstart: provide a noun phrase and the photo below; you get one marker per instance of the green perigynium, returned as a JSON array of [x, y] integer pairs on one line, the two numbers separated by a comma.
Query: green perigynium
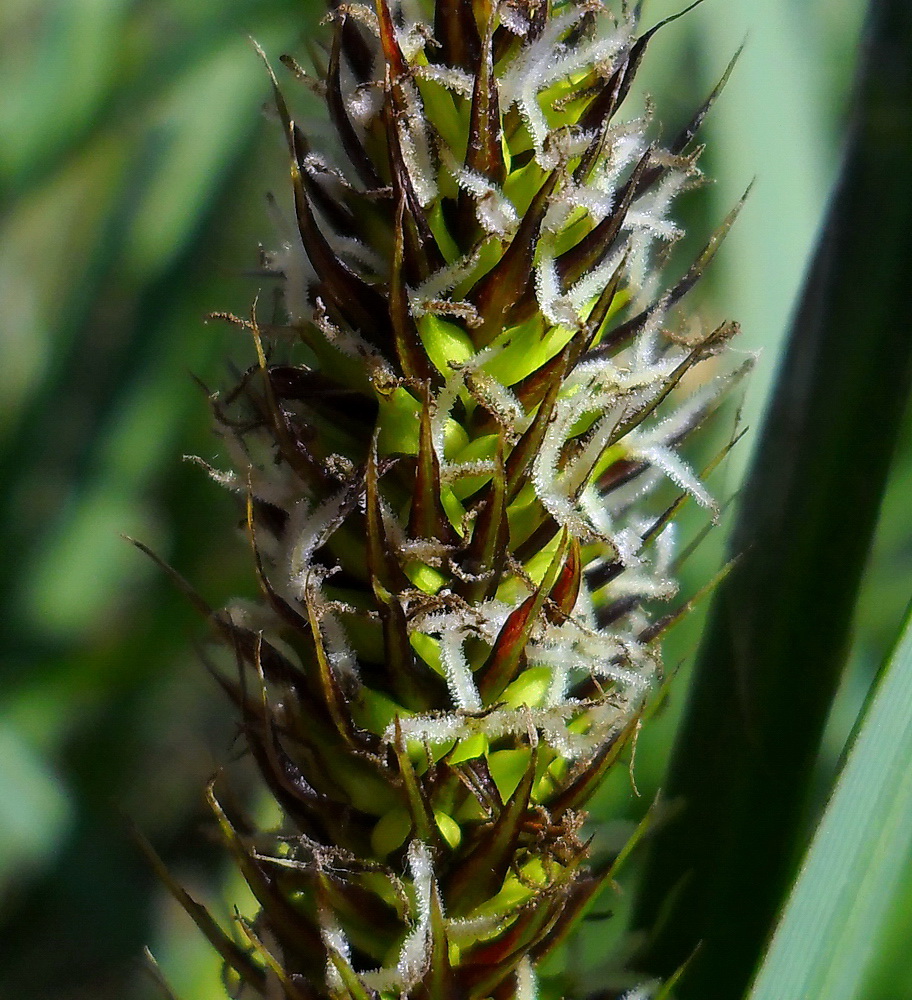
[[445, 445]]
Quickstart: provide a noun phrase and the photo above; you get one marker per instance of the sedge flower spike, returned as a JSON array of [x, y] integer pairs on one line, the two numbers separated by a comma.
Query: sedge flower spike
[[467, 387]]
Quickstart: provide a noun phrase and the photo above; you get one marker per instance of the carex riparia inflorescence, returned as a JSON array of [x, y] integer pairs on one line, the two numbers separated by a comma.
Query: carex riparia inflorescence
[[472, 379]]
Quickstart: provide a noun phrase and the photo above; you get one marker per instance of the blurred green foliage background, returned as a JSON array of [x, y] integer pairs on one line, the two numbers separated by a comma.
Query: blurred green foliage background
[[133, 162]]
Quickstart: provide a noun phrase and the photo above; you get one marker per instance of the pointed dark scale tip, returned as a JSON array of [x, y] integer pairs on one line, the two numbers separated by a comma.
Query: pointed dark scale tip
[[330, 692], [635, 58], [662, 625], [356, 50], [382, 563], [421, 253], [682, 140], [497, 292], [695, 272], [427, 518], [416, 801], [655, 529], [413, 360], [292, 446], [699, 353], [299, 149], [519, 463], [481, 874], [484, 149], [509, 648], [686, 135], [338, 114], [598, 116], [645, 38], [484, 154], [358, 303], [278, 97], [486, 554], [612, 341], [588, 779], [183, 585], [597, 243], [566, 590]]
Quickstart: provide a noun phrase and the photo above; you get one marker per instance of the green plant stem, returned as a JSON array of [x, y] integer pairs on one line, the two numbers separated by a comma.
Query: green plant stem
[[778, 634]]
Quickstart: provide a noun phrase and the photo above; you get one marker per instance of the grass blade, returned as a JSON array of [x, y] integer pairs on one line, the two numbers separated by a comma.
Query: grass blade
[[855, 865]]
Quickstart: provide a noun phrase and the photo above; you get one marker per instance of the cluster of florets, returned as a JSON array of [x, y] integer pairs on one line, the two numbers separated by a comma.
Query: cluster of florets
[[446, 444]]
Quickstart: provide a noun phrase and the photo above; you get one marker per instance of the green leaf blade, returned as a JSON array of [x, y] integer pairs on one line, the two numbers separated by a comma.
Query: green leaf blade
[[829, 930]]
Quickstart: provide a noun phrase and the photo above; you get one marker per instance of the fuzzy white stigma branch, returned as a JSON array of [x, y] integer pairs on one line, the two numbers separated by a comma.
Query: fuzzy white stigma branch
[[470, 386]]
